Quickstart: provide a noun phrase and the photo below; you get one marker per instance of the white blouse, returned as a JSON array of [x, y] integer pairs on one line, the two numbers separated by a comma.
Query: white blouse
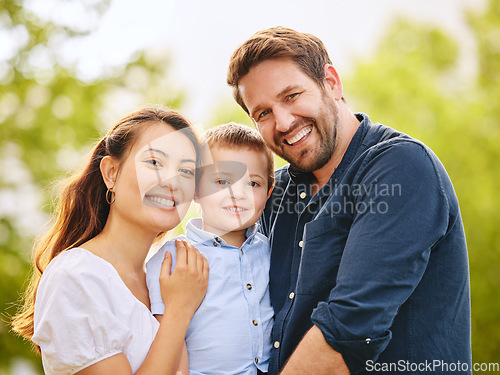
[[84, 313]]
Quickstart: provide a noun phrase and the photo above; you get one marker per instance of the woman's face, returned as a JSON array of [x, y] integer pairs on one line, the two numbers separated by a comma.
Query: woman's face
[[155, 184]]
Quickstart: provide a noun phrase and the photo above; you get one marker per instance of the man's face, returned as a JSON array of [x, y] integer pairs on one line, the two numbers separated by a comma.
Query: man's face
[[294, 115]]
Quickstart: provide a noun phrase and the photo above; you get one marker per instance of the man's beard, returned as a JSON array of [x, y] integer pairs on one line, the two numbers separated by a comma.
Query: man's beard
[[316, 157]]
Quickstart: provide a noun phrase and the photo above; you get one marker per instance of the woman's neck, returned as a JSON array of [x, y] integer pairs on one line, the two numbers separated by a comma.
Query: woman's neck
[[123, 245]]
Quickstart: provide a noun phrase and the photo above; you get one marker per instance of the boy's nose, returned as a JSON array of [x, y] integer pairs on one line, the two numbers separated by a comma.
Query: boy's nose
[[237, 190]]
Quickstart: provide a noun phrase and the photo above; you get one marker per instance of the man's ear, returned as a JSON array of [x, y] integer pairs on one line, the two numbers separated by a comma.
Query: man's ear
[[333, 82], [109, 171]]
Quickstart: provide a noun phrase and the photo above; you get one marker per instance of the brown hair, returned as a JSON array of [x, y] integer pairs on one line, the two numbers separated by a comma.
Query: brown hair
[[82, 210], [237, 136], [306, 50]]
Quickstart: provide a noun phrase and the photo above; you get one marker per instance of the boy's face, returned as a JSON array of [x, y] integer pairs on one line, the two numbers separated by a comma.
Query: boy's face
[[232, 190]]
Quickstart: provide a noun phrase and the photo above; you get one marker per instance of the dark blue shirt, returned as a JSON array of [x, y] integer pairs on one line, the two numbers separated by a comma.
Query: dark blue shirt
[[377, 259]]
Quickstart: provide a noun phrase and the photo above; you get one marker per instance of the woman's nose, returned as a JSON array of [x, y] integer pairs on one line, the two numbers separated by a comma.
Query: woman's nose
[[170, 180]]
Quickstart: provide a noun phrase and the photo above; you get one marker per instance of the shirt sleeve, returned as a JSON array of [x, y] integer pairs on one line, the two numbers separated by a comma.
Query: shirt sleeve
[[387, 249], [153, 269], [75, 323]]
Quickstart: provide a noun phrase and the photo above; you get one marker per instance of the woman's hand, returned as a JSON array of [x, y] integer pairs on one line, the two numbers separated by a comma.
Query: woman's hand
[[183, 290]]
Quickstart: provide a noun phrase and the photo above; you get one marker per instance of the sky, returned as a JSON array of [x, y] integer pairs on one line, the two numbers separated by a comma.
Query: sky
[[202, 35]]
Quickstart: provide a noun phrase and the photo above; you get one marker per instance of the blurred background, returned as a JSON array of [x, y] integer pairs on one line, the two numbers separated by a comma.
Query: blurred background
[[70, 69]]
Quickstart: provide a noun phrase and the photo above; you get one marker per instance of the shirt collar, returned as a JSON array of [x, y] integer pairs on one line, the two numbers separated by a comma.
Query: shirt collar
[[196, 234]]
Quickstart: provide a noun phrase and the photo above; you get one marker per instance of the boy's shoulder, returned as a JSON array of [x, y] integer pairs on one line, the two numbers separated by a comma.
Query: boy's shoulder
[[261, 240], [167, 246]]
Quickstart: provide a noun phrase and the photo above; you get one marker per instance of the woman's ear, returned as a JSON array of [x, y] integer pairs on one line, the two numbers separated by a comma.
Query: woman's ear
[[109, 171], [196, 196]]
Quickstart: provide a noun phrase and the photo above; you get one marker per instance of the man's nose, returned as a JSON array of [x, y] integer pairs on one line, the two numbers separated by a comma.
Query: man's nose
[[283, 117]]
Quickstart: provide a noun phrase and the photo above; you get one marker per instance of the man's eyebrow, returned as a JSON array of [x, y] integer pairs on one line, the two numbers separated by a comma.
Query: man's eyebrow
[[279, 96]]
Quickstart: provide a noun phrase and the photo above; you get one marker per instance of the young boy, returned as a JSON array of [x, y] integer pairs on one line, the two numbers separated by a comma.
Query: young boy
[[230, 332]]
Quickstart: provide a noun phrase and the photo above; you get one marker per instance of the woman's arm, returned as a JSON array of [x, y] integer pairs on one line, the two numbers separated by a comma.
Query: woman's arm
[[182, 293]]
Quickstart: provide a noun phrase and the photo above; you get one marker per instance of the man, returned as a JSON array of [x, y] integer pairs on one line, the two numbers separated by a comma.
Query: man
[[369, 268]]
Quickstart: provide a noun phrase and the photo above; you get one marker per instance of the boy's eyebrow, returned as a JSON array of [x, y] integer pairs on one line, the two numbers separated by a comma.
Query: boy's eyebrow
[[257, 175]]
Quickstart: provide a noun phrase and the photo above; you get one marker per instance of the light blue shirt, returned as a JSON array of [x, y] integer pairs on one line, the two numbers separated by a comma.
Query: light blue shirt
[[230, 333]]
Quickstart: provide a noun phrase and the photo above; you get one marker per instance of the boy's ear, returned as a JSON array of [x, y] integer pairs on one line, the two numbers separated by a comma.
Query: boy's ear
[[109, 171], [270, 191]]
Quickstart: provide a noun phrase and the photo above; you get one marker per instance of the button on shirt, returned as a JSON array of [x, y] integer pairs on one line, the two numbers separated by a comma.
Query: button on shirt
[[230, 333], [376, 259]]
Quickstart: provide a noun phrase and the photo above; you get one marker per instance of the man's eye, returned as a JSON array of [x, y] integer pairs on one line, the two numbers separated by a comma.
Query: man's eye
[[292, 96], [263, 114]]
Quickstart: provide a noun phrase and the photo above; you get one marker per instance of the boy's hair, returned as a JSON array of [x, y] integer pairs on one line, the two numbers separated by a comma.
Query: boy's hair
[[237, 136], [306, 50]]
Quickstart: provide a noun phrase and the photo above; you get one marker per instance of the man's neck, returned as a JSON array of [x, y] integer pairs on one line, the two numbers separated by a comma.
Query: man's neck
[[349, 123]]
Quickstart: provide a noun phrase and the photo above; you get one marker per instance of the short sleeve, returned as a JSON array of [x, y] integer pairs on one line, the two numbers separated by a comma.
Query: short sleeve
[[75, 323], [153, 269]]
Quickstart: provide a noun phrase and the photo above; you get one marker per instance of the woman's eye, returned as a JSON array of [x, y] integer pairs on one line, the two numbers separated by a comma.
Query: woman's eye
[[253, 184], [154, 162], [186, 171], [222, 182]]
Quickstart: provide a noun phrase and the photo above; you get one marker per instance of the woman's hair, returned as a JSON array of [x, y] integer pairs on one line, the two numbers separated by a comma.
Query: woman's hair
[[82, 209], [306, 50]]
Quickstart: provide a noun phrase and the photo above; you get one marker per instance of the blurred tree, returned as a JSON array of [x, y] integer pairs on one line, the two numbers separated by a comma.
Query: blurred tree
[[49, 117], [416, 83]]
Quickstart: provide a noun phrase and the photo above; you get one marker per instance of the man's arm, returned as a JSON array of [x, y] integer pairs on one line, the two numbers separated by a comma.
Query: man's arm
[[314, 356]]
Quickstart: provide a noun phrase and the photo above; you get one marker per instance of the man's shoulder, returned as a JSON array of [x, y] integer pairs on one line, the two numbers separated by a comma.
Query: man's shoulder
[[282, 175]]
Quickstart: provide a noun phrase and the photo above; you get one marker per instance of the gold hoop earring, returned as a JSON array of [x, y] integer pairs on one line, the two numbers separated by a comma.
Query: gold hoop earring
[[111, 193]]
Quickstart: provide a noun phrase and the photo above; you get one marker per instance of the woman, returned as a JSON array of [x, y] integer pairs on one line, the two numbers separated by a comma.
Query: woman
[[87, 306]]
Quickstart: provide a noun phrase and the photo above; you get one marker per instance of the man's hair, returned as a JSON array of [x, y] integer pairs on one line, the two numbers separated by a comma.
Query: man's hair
[[236, 136], [306, 50]]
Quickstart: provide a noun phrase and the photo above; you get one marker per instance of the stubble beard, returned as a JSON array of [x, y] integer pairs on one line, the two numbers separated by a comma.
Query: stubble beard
[[315, 157]]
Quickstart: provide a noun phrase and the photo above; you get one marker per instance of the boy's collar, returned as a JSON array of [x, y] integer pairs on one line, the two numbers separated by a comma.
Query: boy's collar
[[196, 234]]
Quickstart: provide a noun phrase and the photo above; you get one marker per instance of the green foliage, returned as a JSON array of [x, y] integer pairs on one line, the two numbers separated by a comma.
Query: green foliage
[[414, 83], [49, 118]]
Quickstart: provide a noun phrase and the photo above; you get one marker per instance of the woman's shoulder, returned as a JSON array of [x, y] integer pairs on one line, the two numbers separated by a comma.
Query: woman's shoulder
[[78, 270]]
